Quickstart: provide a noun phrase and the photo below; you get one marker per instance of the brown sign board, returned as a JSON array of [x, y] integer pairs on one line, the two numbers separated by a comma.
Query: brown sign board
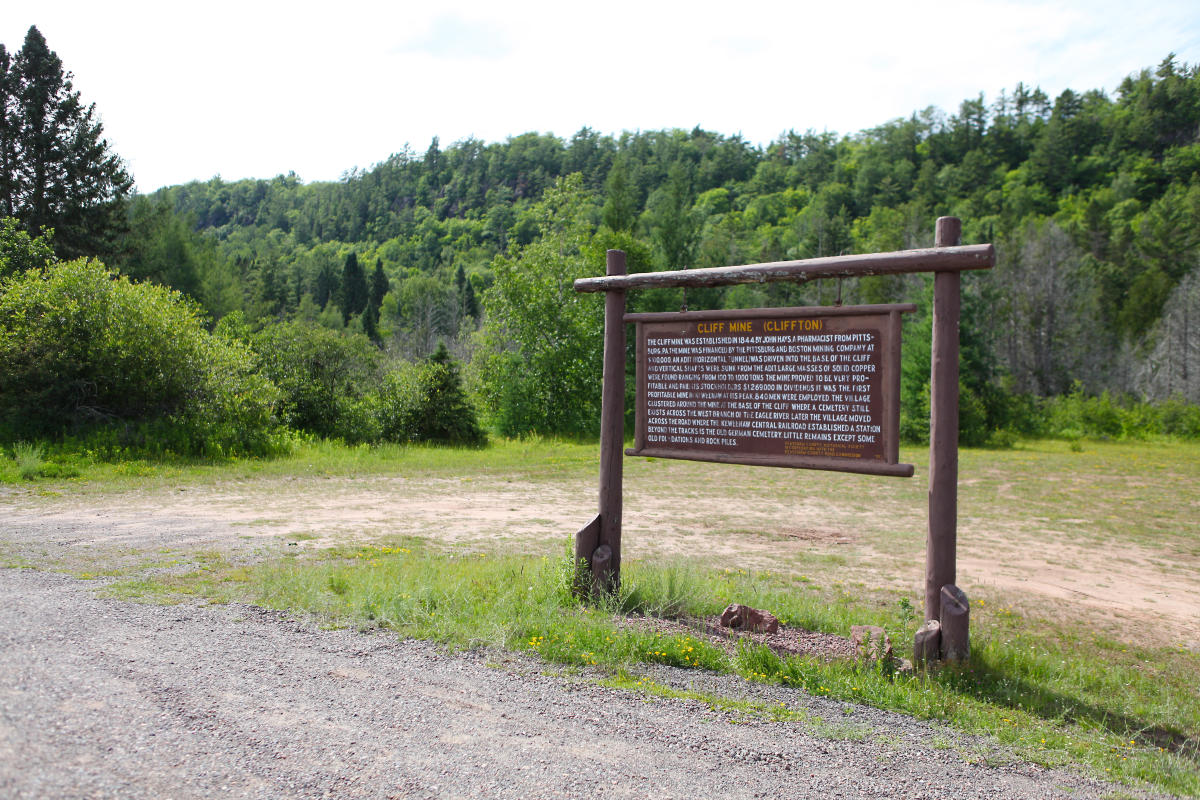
[[810, 388]]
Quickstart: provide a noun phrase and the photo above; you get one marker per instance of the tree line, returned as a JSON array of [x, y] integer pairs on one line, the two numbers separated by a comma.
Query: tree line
[[1092, 201]]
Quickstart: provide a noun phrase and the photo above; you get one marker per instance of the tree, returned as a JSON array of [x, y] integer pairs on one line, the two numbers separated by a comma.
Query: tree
[[19, 251], [325, 378], [355, 293], [1172, 365], [425, 312], [378, 288], [56, 170], [161, 247], [379, 285], [442, 413], [538, 363], [621, 204], [370, 324], [1049, 333], [470, 303], [326, 285], [674, 224]]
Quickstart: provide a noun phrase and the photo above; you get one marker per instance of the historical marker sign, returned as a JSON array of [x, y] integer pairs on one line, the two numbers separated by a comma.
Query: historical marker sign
[[814, 388]]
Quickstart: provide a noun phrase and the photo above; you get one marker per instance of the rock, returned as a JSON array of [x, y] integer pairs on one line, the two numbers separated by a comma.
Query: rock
[[744, 618], [872, 642]]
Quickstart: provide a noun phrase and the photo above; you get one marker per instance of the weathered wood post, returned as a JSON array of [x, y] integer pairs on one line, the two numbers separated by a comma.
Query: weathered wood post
[[943, 426], [598, 544], [956, 623]]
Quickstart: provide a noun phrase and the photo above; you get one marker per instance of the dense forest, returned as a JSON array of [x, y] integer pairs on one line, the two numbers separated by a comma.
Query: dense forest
[[468, 251]]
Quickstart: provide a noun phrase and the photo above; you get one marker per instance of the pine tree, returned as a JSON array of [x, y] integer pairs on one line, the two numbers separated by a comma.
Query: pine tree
[[370, 324], [444, 415], [620, 208], [380, 285], [355, 293], [56, 170], [470, 303], [468, 306], [326, 285]]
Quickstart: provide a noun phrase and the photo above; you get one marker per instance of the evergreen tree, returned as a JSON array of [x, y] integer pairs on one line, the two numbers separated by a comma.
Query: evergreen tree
[[56, 171], [674, 224], [326, 286], [379, 286], [355, 293], [621, 206], [370, 324], [443, 415], [468, 305], [470, 302]]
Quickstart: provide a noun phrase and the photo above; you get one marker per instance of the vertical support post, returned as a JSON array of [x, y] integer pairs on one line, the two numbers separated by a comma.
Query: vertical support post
[[943, 426], [891, 384], [612, 428]]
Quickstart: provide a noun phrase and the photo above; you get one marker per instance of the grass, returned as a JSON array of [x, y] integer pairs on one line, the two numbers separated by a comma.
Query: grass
[[1054, 696], [531, 458], [29, 463], [29, 460]]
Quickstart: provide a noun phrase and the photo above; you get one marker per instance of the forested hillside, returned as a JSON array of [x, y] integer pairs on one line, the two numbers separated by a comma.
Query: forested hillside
[[1092, 201]]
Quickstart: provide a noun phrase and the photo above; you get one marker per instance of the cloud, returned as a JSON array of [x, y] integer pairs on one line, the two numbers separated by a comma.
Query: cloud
[[451, 37]]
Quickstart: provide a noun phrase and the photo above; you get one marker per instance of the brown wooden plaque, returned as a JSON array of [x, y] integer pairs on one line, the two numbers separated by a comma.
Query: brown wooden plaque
[[811, 388]]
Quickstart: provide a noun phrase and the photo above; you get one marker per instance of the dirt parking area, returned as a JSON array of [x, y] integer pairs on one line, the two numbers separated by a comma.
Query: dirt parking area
[[752, 519]]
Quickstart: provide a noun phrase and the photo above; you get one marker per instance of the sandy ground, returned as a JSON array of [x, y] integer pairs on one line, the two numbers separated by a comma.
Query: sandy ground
[[1141, 592]]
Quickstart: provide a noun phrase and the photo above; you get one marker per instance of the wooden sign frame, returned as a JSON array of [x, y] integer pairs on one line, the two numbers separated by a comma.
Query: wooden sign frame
[[777, 387], [598, 544]]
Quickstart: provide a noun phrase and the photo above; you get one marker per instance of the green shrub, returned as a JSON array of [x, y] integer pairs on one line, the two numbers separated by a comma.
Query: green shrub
[[1179, 418], [1075, 415], [81, 348], [397, 399], [327, 379]]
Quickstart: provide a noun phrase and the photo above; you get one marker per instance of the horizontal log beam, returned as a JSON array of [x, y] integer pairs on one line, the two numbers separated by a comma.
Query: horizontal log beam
[[793, 462], [770, 313], [939, 259]]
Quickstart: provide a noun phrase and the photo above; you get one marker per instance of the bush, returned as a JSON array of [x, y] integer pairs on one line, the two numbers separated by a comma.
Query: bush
[[80, 348], [327, 379], [1074, 415], [1179, 418]]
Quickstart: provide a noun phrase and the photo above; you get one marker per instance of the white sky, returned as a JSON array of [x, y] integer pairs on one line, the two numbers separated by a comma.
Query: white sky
[[191, 90]]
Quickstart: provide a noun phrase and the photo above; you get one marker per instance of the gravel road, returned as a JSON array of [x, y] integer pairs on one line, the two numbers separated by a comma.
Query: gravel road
[[108, 699]]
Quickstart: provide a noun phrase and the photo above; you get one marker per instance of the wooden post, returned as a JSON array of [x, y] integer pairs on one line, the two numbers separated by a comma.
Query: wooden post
[[927, 643], [943, 426], [612, 429], [955, 618]]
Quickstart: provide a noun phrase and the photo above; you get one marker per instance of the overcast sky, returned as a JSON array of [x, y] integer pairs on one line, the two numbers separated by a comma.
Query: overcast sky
[[188, 91]]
